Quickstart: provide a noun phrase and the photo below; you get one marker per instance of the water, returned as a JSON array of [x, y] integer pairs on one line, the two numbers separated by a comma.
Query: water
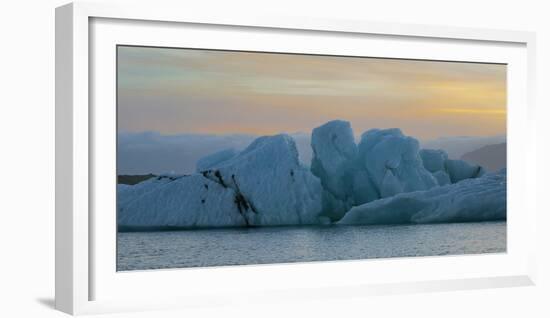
[[217, 247]]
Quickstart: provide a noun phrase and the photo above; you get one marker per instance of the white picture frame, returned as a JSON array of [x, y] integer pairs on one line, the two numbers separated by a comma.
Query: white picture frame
[[85, 280]]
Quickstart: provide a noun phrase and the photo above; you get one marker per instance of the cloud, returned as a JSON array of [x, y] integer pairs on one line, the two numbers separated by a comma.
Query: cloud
[[176, 91]]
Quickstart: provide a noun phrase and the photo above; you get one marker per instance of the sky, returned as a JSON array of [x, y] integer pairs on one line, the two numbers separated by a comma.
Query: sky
[[188, 91]]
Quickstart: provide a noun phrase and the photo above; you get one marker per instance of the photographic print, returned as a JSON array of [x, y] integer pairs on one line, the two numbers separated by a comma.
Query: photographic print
[[242, 158]]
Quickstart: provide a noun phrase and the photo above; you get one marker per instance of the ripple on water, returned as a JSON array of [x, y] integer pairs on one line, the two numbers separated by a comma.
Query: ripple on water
[[243, 246]]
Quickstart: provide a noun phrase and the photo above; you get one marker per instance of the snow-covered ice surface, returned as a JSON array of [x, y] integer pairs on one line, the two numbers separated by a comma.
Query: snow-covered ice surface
[[446, 170], [265, 184], [273, 187], [433, 159], [385, 163], [334, 158], [187, 202], [393, 163], [128, 193], [459, 170], [442, 177], [470, 200]]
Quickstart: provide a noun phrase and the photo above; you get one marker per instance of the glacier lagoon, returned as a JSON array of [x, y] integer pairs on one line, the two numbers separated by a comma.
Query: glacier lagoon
[[288, 244], [381, 197]]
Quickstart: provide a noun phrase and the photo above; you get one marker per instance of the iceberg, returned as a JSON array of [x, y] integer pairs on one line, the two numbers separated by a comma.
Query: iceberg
[[393, 164], [272, 186], [364, 189], [385, 163], [447, 170], [459, 170], [384, 179], [128, 193], [470, 200], [442, 177], [434, 161], [187, 202], [334, 156], [265, 184]]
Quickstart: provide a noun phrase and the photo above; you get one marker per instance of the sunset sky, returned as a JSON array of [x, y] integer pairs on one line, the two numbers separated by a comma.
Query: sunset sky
[[176, 91]]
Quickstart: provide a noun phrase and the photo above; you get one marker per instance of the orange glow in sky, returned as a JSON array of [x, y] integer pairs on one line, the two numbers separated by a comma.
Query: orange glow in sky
[[219, 92]]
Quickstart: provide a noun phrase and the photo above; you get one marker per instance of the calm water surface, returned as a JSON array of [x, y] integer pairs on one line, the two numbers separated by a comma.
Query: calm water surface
[[216, 247]]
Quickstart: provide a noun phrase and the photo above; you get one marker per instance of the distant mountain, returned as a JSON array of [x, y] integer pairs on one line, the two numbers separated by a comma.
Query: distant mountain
[[491, 157], [458, 146]]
